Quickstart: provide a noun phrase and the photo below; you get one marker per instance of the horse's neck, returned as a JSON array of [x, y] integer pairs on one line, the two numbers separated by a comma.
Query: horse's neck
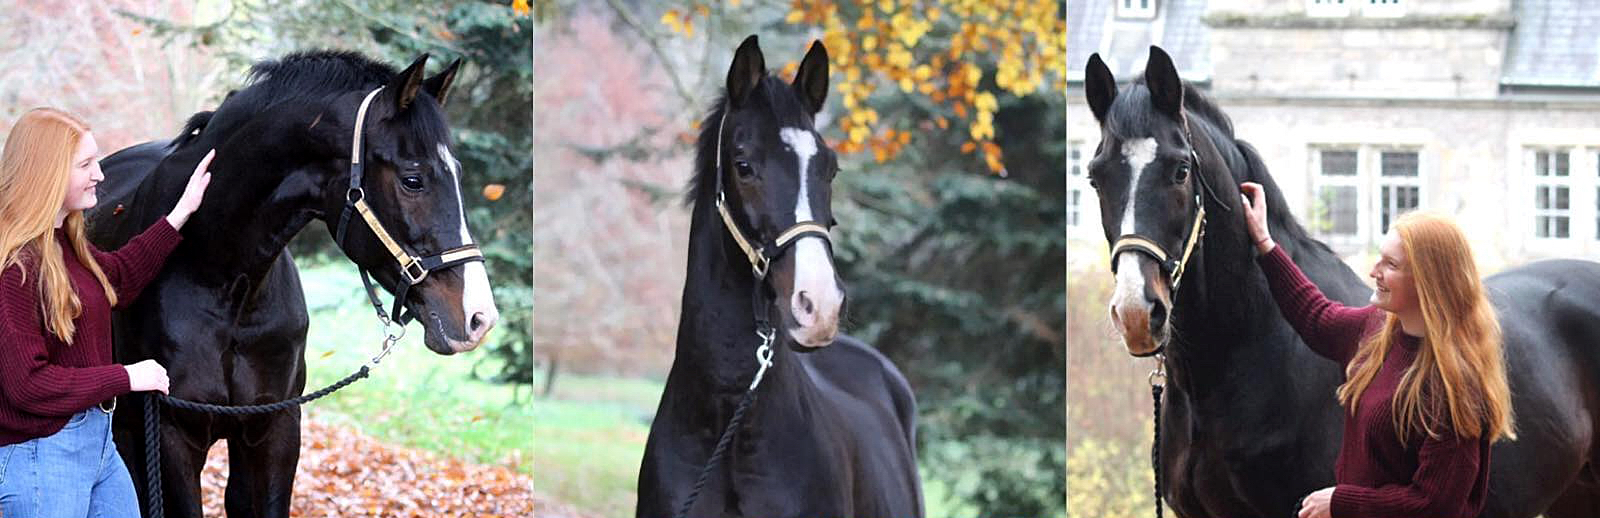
[[1233, 340], [257, 202], [717, 329], [1225, 321]]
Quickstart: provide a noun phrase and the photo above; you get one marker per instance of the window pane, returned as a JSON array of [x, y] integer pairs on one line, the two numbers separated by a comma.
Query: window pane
[[1399, 163], [1561, 227], [1541, 226], [1562, 199], [1074, 160], [1395, 200], [1541, 163], [1562, 163], [1339, 163], [1338, 214]]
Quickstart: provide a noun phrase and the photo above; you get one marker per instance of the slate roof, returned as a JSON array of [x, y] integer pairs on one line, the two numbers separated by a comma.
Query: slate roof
[[1555, 43], [1124, 43]]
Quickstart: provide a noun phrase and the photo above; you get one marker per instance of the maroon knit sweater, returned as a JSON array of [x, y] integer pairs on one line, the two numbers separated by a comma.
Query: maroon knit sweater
[[43, 382], [1377, 475]]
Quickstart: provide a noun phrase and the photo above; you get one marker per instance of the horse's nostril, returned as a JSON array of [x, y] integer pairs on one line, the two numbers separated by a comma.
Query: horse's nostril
[[1158, 317], [805, 303], [477, 321]]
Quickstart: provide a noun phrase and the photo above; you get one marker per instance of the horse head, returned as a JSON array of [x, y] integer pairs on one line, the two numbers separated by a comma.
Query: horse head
[[774, 178]]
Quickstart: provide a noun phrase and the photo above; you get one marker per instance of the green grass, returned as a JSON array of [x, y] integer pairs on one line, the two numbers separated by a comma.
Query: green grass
[[590, 439], [415, 397]]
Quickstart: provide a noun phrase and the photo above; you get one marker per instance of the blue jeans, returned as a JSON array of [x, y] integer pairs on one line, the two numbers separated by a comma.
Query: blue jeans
[[75, 473]]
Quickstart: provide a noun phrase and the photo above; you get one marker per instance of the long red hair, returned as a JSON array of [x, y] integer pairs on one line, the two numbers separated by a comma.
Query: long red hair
[[1458, 380], [34, 171]]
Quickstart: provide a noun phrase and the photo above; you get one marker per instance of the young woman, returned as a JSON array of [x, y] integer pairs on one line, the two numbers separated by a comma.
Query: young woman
[[1425, 387], [57, 381]]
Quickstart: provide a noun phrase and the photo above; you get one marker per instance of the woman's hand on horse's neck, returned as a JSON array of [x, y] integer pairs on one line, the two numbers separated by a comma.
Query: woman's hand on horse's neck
[[192, 193]]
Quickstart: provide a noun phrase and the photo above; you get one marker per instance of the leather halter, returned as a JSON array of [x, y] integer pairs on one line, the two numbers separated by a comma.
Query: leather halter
[[761, 255], [1173, 264], [413, 269]]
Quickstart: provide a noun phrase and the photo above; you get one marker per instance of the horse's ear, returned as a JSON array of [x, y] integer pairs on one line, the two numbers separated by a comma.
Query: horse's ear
[[405, 85], [1166, 89], [439, 85], [746, 71], [1100, 87], [812, 79]]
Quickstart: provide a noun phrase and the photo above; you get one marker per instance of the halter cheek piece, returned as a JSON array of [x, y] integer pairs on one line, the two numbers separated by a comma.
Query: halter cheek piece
[[413, 269], [1173, 265], [761, 255]]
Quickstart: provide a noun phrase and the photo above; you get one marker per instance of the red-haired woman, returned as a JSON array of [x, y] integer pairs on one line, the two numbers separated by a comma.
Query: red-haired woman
[[1425, 389], [58, 383]]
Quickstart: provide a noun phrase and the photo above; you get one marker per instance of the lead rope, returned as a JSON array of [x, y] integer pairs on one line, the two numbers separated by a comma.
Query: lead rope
[[1158, 379], [154, 505]]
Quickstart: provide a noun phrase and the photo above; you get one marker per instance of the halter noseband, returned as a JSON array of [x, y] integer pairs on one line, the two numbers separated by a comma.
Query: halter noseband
[[413, 269], [761, 255], [1174, 265]]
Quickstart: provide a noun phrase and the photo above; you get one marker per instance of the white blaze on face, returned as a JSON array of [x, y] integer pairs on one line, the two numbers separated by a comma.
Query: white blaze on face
[[816, 300], [1138, 153], [476, 297], [1129, 294]]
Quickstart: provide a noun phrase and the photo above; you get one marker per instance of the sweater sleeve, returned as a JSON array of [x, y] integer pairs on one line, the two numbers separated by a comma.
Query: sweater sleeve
[[27, 379], [134, 265], [1331, 329], [1447, 469]]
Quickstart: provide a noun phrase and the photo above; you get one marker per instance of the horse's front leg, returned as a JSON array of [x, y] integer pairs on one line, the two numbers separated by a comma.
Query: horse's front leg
[[183, 457], [261, 463]]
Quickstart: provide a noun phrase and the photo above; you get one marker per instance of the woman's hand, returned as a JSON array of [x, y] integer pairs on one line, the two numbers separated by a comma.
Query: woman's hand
[[192, 193], [1255, 215], [1318, 503], [146, 376]]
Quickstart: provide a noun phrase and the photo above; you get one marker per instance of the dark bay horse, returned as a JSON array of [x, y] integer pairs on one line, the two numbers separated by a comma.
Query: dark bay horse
[[1250, 423], [227, 316], [831, 432]]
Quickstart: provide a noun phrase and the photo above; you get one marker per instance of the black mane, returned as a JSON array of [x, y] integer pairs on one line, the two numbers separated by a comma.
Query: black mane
[[312, 77]]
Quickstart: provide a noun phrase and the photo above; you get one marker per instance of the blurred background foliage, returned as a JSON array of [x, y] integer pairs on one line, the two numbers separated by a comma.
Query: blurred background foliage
[[949, 117]]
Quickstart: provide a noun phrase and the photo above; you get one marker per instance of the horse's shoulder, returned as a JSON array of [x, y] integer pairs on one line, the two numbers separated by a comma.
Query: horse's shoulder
[[849, 351]]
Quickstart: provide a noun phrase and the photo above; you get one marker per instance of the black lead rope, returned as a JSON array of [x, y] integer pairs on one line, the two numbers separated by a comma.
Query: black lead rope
[[1155, 444]]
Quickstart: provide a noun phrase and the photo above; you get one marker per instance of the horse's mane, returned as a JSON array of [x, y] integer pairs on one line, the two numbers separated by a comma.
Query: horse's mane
[[1207, 119], [770, 92], [313, 77]]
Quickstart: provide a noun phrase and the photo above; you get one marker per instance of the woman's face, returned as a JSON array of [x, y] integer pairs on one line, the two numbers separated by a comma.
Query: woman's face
[[83, 175], [1395, 293]]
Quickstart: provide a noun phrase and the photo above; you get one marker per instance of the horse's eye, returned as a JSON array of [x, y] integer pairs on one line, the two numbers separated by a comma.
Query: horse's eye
[[411, 183], [1182, 173], [744, 169]]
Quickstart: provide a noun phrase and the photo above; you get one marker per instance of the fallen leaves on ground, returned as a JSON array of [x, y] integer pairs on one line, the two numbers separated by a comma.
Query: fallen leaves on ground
[[344, 473]]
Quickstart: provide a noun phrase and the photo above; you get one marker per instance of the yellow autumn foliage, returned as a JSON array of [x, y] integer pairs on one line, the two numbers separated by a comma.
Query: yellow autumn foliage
[[937, 49]]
